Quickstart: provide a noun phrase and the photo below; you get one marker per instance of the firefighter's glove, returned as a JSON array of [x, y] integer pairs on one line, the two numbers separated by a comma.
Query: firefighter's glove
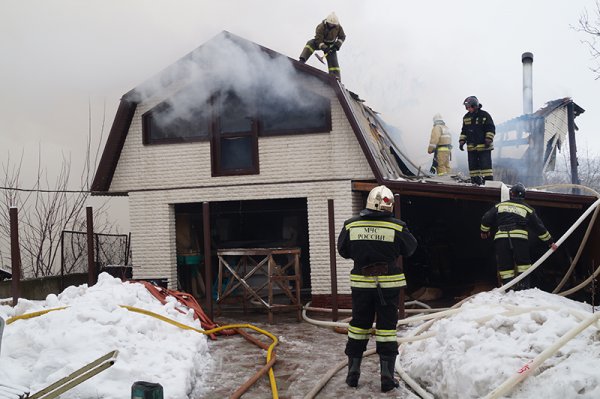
[[485, 235], [337, 45], [461, 145], [325, 48], [488, 142], [554, 246]]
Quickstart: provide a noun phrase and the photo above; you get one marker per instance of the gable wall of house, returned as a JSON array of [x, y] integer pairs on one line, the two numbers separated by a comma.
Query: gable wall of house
[[313, 166]]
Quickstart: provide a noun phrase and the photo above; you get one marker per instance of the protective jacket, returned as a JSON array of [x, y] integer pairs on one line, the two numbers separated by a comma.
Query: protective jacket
[[326, 36], [514, 216], [477, 126], [374, 237], [440, 138]]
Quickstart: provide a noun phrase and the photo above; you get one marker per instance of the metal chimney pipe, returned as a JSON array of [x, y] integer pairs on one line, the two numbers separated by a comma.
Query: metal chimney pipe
[[527, 59]]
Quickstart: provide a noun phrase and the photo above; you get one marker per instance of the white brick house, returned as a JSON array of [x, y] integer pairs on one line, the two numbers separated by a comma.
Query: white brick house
[[168, 174]]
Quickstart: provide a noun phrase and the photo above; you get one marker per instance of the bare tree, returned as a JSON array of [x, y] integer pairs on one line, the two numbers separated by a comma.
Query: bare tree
[[48, 208], [588, 170], [591, 26]]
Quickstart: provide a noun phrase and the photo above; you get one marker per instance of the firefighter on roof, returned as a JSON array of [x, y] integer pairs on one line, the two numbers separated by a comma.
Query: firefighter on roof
[[329, 37], [478, 133], [375, 240], [440, 146], [513, 219]]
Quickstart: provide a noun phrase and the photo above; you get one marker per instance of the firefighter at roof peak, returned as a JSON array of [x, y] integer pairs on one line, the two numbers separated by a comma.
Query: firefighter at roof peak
[[512, 219], [440, 146], [329, 37], [478, 132], [375, 240]]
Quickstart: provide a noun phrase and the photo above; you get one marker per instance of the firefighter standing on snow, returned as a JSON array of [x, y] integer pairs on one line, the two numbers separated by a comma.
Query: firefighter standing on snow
[[375, 240], [440, 146], [329, 37], [478, 132], [512, 219]]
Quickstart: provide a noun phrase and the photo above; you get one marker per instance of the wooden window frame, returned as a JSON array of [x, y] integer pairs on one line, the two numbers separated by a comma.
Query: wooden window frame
[[215, 152]]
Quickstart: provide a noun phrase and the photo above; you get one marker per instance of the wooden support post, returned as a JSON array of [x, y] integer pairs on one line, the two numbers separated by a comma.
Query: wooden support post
[[401, 312], [92, 272], [15, 255], [270, 273], [207, 258], [62, 261], [572, 145], [332, 261]]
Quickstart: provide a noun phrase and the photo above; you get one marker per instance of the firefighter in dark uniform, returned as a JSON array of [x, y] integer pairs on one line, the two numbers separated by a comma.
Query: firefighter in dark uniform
[[513, 219], [329, 37], [375, 240], [478, 132]]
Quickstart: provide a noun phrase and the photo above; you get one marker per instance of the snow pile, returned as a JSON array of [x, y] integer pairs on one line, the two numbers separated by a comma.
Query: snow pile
[[41, 350], [497, 334]]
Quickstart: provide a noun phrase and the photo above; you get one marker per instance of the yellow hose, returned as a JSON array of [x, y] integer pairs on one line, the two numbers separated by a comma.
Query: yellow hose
[[217, 329], [33, 314], [183, 326]]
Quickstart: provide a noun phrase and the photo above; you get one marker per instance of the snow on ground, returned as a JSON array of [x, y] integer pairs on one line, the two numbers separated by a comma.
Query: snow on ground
[[41, 350], [479, 348], [473, 351]]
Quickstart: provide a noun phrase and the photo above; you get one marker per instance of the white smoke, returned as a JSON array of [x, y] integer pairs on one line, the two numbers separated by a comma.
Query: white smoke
[[227, 64]]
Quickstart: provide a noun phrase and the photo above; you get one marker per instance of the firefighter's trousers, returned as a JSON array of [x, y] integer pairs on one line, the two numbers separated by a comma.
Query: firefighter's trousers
[[366, 303], [332, 61], [480, 164], [512, 258], [442, 156]]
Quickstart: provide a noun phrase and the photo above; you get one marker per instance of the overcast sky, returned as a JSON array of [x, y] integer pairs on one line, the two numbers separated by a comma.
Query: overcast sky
[[408, 60]]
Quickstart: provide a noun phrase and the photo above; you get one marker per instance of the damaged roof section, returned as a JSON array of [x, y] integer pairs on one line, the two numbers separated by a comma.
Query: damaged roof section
[[391, 162], [527, 146]]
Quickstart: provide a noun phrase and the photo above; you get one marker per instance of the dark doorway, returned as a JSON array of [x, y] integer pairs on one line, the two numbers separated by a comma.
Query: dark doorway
[[240, 224]]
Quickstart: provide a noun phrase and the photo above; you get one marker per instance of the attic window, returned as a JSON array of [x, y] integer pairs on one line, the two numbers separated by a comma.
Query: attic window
[[308, 113], [175, 121]]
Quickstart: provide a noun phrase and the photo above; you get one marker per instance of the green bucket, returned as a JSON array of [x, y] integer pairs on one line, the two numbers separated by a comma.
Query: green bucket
[[146, 390]]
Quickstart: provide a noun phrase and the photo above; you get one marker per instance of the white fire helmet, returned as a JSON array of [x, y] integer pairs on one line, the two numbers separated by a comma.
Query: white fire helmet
[[437, 118], [381, 198], [332, 19]]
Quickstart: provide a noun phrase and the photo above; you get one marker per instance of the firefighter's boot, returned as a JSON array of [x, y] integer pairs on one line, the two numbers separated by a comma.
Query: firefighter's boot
[[305, 55], [387, 373], [478, 180], [353, 371]]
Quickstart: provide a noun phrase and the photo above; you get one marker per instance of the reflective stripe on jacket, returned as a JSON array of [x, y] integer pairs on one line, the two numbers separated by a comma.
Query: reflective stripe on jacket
[[375, 237], [386, 281]]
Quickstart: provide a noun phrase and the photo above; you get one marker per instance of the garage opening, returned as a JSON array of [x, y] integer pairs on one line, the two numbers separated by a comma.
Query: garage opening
[[279, 223]]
